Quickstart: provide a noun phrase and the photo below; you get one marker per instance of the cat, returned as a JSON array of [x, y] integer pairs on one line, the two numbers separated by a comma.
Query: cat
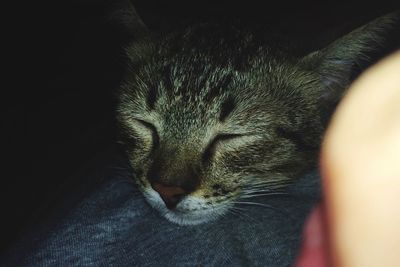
[[210, 115]]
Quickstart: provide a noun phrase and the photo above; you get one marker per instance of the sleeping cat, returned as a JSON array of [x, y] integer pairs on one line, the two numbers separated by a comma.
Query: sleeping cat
[[211, 116]]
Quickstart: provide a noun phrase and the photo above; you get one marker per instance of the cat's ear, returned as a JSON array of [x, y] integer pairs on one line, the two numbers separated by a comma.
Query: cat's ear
[[124, 13], [335, 63], [141, 40]]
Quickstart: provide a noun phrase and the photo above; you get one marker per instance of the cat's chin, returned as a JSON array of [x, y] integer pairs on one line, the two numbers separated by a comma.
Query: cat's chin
[[194, 218], [191, 211]]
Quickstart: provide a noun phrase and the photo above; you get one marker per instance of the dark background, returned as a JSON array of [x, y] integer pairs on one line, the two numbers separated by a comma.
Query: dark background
[[68, 61]]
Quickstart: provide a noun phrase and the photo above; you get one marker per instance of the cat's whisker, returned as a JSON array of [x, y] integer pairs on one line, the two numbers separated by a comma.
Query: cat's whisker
[[259, 189], [280, 211], [263, 188], [267, 194], [258, 186], [128, 182], [251, 190], [118, 168], [253, 203], [239, 212], [124, 170], [255, 183], [269, 182]]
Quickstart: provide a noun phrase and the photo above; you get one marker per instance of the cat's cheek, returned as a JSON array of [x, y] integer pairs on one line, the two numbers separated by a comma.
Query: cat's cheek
[[140, 168]]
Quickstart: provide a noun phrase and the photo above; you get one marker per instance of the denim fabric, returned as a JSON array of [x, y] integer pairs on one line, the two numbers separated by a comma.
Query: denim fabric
[[106, 222]]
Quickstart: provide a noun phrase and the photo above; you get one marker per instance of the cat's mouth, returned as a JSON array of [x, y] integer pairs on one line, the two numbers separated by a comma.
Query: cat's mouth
[[189, 211]]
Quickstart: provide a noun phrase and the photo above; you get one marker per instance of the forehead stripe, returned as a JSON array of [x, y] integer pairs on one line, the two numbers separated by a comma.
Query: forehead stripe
[[226, 108]]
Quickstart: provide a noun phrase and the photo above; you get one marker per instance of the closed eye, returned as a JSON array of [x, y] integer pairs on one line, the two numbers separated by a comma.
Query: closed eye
[[210, 149], [153, 130]]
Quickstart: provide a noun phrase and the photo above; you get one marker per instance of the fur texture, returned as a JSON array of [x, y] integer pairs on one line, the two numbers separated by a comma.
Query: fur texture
[[218, 112]]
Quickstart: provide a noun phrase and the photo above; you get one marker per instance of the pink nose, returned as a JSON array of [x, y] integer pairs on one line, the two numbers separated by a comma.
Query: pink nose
[[171, 195]]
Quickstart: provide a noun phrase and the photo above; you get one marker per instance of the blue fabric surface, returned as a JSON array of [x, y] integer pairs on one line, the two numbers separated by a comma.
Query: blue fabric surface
[[106, 222]]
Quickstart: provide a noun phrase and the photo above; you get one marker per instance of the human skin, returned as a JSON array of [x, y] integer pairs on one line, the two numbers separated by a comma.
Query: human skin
[[358, 221], [361, 171]]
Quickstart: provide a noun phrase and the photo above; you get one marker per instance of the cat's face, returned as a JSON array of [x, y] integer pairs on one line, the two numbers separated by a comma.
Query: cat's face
[[210, 119], [202, 134]]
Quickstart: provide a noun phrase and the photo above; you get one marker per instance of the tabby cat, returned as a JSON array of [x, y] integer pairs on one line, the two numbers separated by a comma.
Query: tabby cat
[[211, 115]]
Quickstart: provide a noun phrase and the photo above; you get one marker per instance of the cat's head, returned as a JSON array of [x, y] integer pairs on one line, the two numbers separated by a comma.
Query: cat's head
[[212, 116]]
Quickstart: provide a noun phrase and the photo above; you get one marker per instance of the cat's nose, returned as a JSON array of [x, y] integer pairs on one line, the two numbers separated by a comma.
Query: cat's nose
[[171, 195]]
